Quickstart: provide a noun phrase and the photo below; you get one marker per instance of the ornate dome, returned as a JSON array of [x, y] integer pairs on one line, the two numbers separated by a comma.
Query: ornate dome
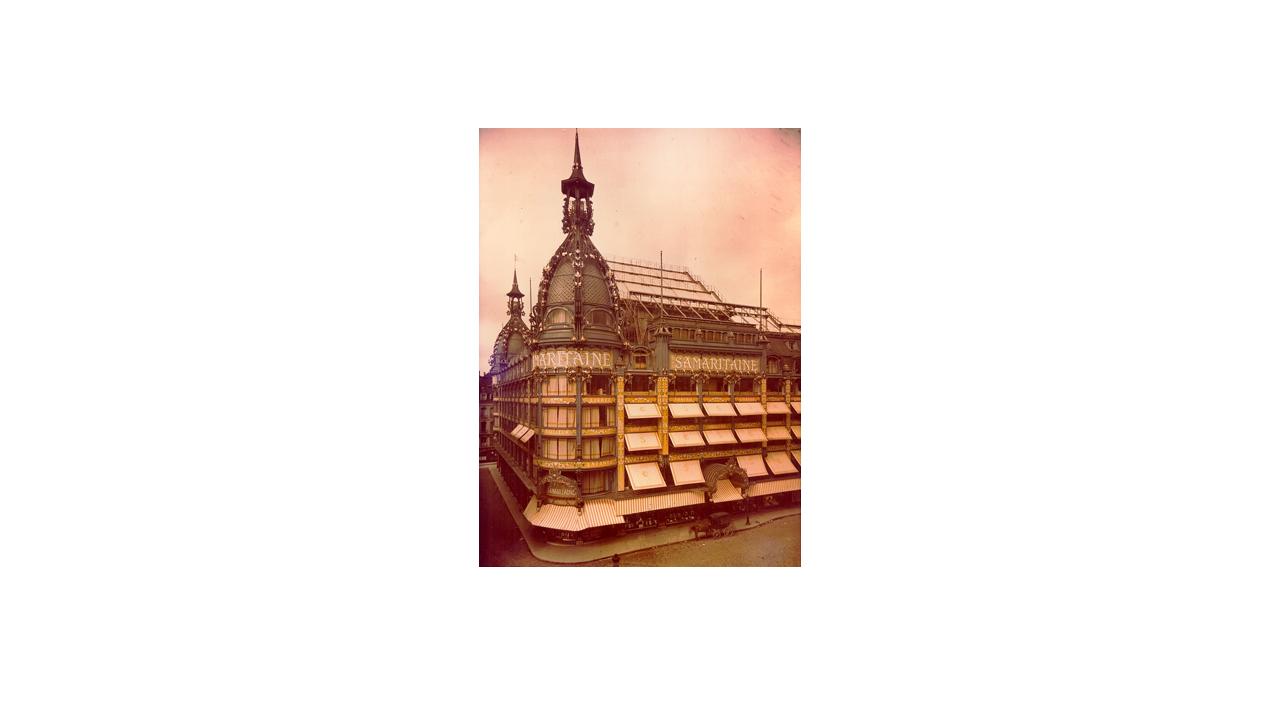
[[513, 340], [578, 300]]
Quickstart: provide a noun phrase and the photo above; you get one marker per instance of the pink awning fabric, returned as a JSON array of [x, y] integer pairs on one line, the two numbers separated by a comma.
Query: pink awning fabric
[[750, 434], [644, 475], [529, 433], [597, 512], [641, 504], [797, 406], [777, 432], [777, 407], [775, 486], [685, 410], [601, 512], [797, 431], [797, 455], [641, 410], [780, 463], [752, 465], [726, 492], [751, 408], [720, 437], [641, 441], [719, 410], [518, 430], [686, 472], [686, 438]]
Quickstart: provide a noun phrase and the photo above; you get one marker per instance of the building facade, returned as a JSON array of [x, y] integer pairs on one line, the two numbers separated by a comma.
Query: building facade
[[485, 393], [636, 396]]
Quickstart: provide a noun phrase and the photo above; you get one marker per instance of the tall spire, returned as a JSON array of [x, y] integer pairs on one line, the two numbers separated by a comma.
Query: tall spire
[[577, 186], [515, 292], [579, 165], [515, 308]]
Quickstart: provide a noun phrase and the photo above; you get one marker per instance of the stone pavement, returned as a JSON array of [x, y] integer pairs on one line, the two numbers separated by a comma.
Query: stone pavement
[[605, 548]]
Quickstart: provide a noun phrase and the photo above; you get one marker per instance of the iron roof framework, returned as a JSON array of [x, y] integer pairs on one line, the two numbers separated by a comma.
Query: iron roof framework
[[674, 292]]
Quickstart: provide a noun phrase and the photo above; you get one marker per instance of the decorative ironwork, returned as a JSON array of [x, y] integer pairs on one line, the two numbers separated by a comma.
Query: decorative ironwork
[[557, 488]]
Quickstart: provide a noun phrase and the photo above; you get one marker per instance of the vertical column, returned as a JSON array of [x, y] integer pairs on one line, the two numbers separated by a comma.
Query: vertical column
[[661, 398], [619, 432], [538, 448], [788, 407], [579, 377], [761, 385]]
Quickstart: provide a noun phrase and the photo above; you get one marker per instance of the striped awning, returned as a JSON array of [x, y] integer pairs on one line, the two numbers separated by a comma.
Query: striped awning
[[797, 406], [752, 408], [685, 410], [777, 407], [720, 437], [726, 491], [775, 486], [752, 465], [750, 434], [780, 463], [686, 472], [797, 431], [641, 441], [718, 410], [518, 430], [641, 410], [777, 432], [601, 512], [644, 475], [686, 438], [555, 517], [641, 504], [597, 512], [529, 433]]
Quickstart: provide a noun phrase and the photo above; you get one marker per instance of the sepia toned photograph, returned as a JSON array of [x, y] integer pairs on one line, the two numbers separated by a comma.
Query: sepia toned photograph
[[640, 351]]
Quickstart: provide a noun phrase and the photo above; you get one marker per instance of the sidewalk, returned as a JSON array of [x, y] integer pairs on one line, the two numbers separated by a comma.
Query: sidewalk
[[603, 549]]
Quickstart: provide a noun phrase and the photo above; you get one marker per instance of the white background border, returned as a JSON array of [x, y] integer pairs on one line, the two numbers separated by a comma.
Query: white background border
[[1040, 287]]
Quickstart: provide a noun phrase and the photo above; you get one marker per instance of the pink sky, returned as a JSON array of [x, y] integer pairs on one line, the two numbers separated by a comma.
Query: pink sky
[[722, 203]]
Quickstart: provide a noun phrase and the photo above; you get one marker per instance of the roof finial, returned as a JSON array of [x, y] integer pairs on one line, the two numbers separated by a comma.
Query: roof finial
[[577, 186], [515, 292]]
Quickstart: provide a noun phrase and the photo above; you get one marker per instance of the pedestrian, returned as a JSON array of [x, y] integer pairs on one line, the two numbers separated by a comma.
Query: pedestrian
[[614, 560]]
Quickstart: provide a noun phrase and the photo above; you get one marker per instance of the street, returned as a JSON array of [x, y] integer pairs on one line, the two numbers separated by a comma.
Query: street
[[775, 544]]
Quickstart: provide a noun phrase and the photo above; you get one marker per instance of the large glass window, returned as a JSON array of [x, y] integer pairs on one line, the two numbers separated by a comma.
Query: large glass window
[[558, 417], [596, 448], [557, 385], [593, 482], [559, 448]]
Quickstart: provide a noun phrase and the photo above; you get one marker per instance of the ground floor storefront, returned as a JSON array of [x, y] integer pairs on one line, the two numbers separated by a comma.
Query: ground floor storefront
[[507, 539]]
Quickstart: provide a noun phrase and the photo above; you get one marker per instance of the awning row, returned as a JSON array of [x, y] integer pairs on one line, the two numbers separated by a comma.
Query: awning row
[[647, 475], [597, 512], [522, 433], [639, 411], [647, 441], [606, 512]]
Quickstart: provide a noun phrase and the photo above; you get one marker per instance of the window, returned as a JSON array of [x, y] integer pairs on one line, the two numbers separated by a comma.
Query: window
[[602, 318], [557, 417], [558, 316], [593, 482], [599, 416], [559, 448], [639, 361], [596, 448], [557, 386]]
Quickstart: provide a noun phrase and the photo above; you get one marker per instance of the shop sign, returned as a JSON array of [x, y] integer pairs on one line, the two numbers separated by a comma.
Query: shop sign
[[568, 359], [715, 363]]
